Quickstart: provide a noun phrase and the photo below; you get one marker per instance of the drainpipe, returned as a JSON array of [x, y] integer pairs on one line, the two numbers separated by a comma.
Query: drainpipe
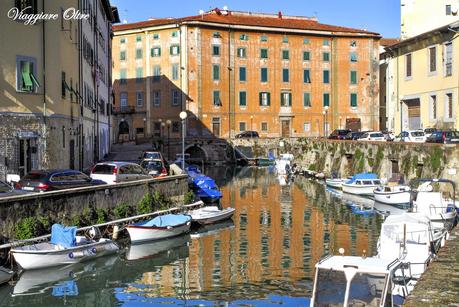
[[43, 44]]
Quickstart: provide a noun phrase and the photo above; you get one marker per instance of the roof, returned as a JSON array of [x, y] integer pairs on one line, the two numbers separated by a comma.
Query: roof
[[226, 18], [373, 265], [365, 176], [389, 41]]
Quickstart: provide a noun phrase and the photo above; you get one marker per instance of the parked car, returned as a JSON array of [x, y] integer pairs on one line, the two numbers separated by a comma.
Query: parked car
[[428, 131], [114, 172], [355, 135], [51, 180], [151, 155], [416, 136], [339, 134], [154, 167], [375, 136], [444, 136], [388, 135], [7, 190], [247, 134]]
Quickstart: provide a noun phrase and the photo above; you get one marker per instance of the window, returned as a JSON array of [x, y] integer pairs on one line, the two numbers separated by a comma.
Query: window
[[174, 34], [216, 126], [242, 126], [175, 127], [244, 37], [286, 99], [138, 38], [432, 59], [433, 107], [123, 75], [139, 99], [326, 100], [264, 126], [326, 76], [174, 50], [307, 127], [156, 73], [175, 71], [156, 98], [448, 9], [26, 80], [123, 55], [353, 77], [138, 74], [123, 99], [353, 44], [326, 56], [305, 40], [156, 51], [26, 6], [138, 53], [176, 98], [155, 36], [264, 74], [285, 75], [216, 99], [242, 74], [241, 52], [265, 99], [353, 56], [326, 42], [216, 50], [353, 100], [215, 72], [285, 55], [242, 99], [285, 39], [448, 69], [306, 76], [408, 65], [216, 35], [122, 40], [264, 53], [263, 38], [449, 106], [306, 100], [306, 55]]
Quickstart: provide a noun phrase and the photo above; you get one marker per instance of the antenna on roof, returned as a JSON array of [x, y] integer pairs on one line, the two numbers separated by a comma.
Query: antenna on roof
[[201, 12], [125, 19], [225, 7]]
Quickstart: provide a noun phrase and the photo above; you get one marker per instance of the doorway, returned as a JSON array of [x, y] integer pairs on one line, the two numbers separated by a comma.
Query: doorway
[[285, 123], [72, 154], [216, 126]]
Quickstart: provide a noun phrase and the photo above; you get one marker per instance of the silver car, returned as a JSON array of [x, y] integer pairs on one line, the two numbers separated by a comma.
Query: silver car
[[115, 172]]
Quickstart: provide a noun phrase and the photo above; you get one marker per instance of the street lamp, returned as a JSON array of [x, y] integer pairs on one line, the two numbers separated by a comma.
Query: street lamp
[[325, 113], [144, 129], [168, 122], [183, 115], [251, 122], [163, 124]]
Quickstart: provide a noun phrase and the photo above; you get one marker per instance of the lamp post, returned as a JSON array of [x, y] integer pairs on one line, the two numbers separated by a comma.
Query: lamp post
[[163, 124], [144, 129], [183, 115], [168, 122], [251, 122], [325, 113]]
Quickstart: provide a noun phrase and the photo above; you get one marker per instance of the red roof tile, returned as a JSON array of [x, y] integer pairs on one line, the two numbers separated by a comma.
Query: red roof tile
[[388, 41]]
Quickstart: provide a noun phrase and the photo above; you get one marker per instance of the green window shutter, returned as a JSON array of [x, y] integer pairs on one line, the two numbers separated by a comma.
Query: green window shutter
[[326, 99], [353, 77], [306, 100], [216, 72], [353, 100], [326, 56], [289, 99], [285, 55], [282, 100], [242, 74], [260, 98], [306, 76], [243, 99], [326, 75], [27, 81], [285, 75], [122, 55], [264, 53], [264, 75], [306, 55], [269, 99]]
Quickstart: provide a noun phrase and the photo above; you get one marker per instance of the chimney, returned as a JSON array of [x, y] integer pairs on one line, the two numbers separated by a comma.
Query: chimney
[[279, 14]]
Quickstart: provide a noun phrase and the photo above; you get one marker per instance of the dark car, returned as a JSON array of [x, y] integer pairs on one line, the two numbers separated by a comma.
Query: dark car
[[354, 135], [7, 190], [247, 134], [339, 134], [444, 137], [51, 180], [154, 167]]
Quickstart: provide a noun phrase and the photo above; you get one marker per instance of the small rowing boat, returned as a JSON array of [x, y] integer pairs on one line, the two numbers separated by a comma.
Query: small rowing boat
[[210, 214], [161, 227]]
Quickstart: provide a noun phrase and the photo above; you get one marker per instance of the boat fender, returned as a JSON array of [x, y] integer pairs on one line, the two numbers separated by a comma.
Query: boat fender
[[70, 255], [188, 223], [94, 250]]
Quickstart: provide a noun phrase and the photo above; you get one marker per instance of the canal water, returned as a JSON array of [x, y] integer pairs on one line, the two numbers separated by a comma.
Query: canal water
[[265, 257]]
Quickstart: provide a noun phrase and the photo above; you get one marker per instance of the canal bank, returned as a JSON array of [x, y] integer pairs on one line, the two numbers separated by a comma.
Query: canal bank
[[32, 215]]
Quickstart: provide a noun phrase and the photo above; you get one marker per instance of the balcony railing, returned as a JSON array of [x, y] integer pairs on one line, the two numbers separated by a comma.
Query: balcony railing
[[124, 110]]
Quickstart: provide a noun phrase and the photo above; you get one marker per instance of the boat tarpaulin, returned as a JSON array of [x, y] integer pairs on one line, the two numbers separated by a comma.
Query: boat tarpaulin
[[63, 236], [165, 220], [362, 176]]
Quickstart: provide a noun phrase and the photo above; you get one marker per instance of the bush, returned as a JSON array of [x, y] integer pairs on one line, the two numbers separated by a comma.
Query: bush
[[189, 198], [145, 205]]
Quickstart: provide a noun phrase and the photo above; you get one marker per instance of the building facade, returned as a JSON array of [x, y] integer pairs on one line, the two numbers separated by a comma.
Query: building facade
[[234, 71], [419, 16], [41, 87]]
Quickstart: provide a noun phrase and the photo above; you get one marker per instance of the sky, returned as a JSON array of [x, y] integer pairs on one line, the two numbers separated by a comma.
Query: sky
[[382, 16]]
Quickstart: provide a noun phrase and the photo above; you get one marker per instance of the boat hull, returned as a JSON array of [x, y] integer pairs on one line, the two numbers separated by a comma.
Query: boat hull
[[38, 259], [334, 183], [366, 190], [211, 215], [142, 234], [5, 275], [392, 198]]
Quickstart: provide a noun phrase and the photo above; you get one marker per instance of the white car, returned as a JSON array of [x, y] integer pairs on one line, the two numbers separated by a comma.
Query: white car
[[115, 172], [416, 136], [374, 136]]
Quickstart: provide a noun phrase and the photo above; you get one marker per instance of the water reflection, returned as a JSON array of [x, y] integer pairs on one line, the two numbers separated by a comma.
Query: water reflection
[[265, 257]]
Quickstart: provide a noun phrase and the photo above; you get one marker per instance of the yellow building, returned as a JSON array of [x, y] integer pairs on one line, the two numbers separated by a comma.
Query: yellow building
[[41, 83], [423, 81]]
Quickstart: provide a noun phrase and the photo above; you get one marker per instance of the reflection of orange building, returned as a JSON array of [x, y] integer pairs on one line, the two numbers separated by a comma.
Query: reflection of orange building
[[237, 71]]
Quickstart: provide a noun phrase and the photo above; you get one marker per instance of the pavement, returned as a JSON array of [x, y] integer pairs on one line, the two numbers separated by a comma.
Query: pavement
[[127, 151]]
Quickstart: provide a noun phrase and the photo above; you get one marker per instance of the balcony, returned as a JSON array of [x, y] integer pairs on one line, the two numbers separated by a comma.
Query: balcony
[[124, 110], [285, 110]]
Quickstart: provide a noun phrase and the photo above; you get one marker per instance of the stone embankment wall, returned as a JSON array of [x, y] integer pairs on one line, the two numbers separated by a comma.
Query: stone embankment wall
[[349, 157], [20, 216]]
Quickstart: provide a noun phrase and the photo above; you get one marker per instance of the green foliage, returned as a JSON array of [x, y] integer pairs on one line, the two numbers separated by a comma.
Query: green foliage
[[160, 200], [359, 160], [102, 215], [188, 198], [435, 159], [379, 157], [312, 167], [145, 205], [370, 151], [28, 228], [406, 163], [122, 211], [45, 222]]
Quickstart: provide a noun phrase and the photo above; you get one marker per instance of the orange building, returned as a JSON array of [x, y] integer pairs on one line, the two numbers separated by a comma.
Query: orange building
[[236, 71]]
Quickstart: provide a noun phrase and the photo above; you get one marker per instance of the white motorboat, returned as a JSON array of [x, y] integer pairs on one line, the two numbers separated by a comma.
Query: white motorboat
[[5, 275], [438, 209], [336, 183], [283, 166], [161, 227], [361, 184], [210, 214], [392, 194], [63, 248], [153, 248]]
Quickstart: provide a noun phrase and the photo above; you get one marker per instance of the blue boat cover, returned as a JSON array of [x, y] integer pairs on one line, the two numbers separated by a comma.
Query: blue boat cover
[[362, 176], [62, 235], [165, 220]]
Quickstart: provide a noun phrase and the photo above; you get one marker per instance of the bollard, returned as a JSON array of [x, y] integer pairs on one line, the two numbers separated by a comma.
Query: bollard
[[116, 230]]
